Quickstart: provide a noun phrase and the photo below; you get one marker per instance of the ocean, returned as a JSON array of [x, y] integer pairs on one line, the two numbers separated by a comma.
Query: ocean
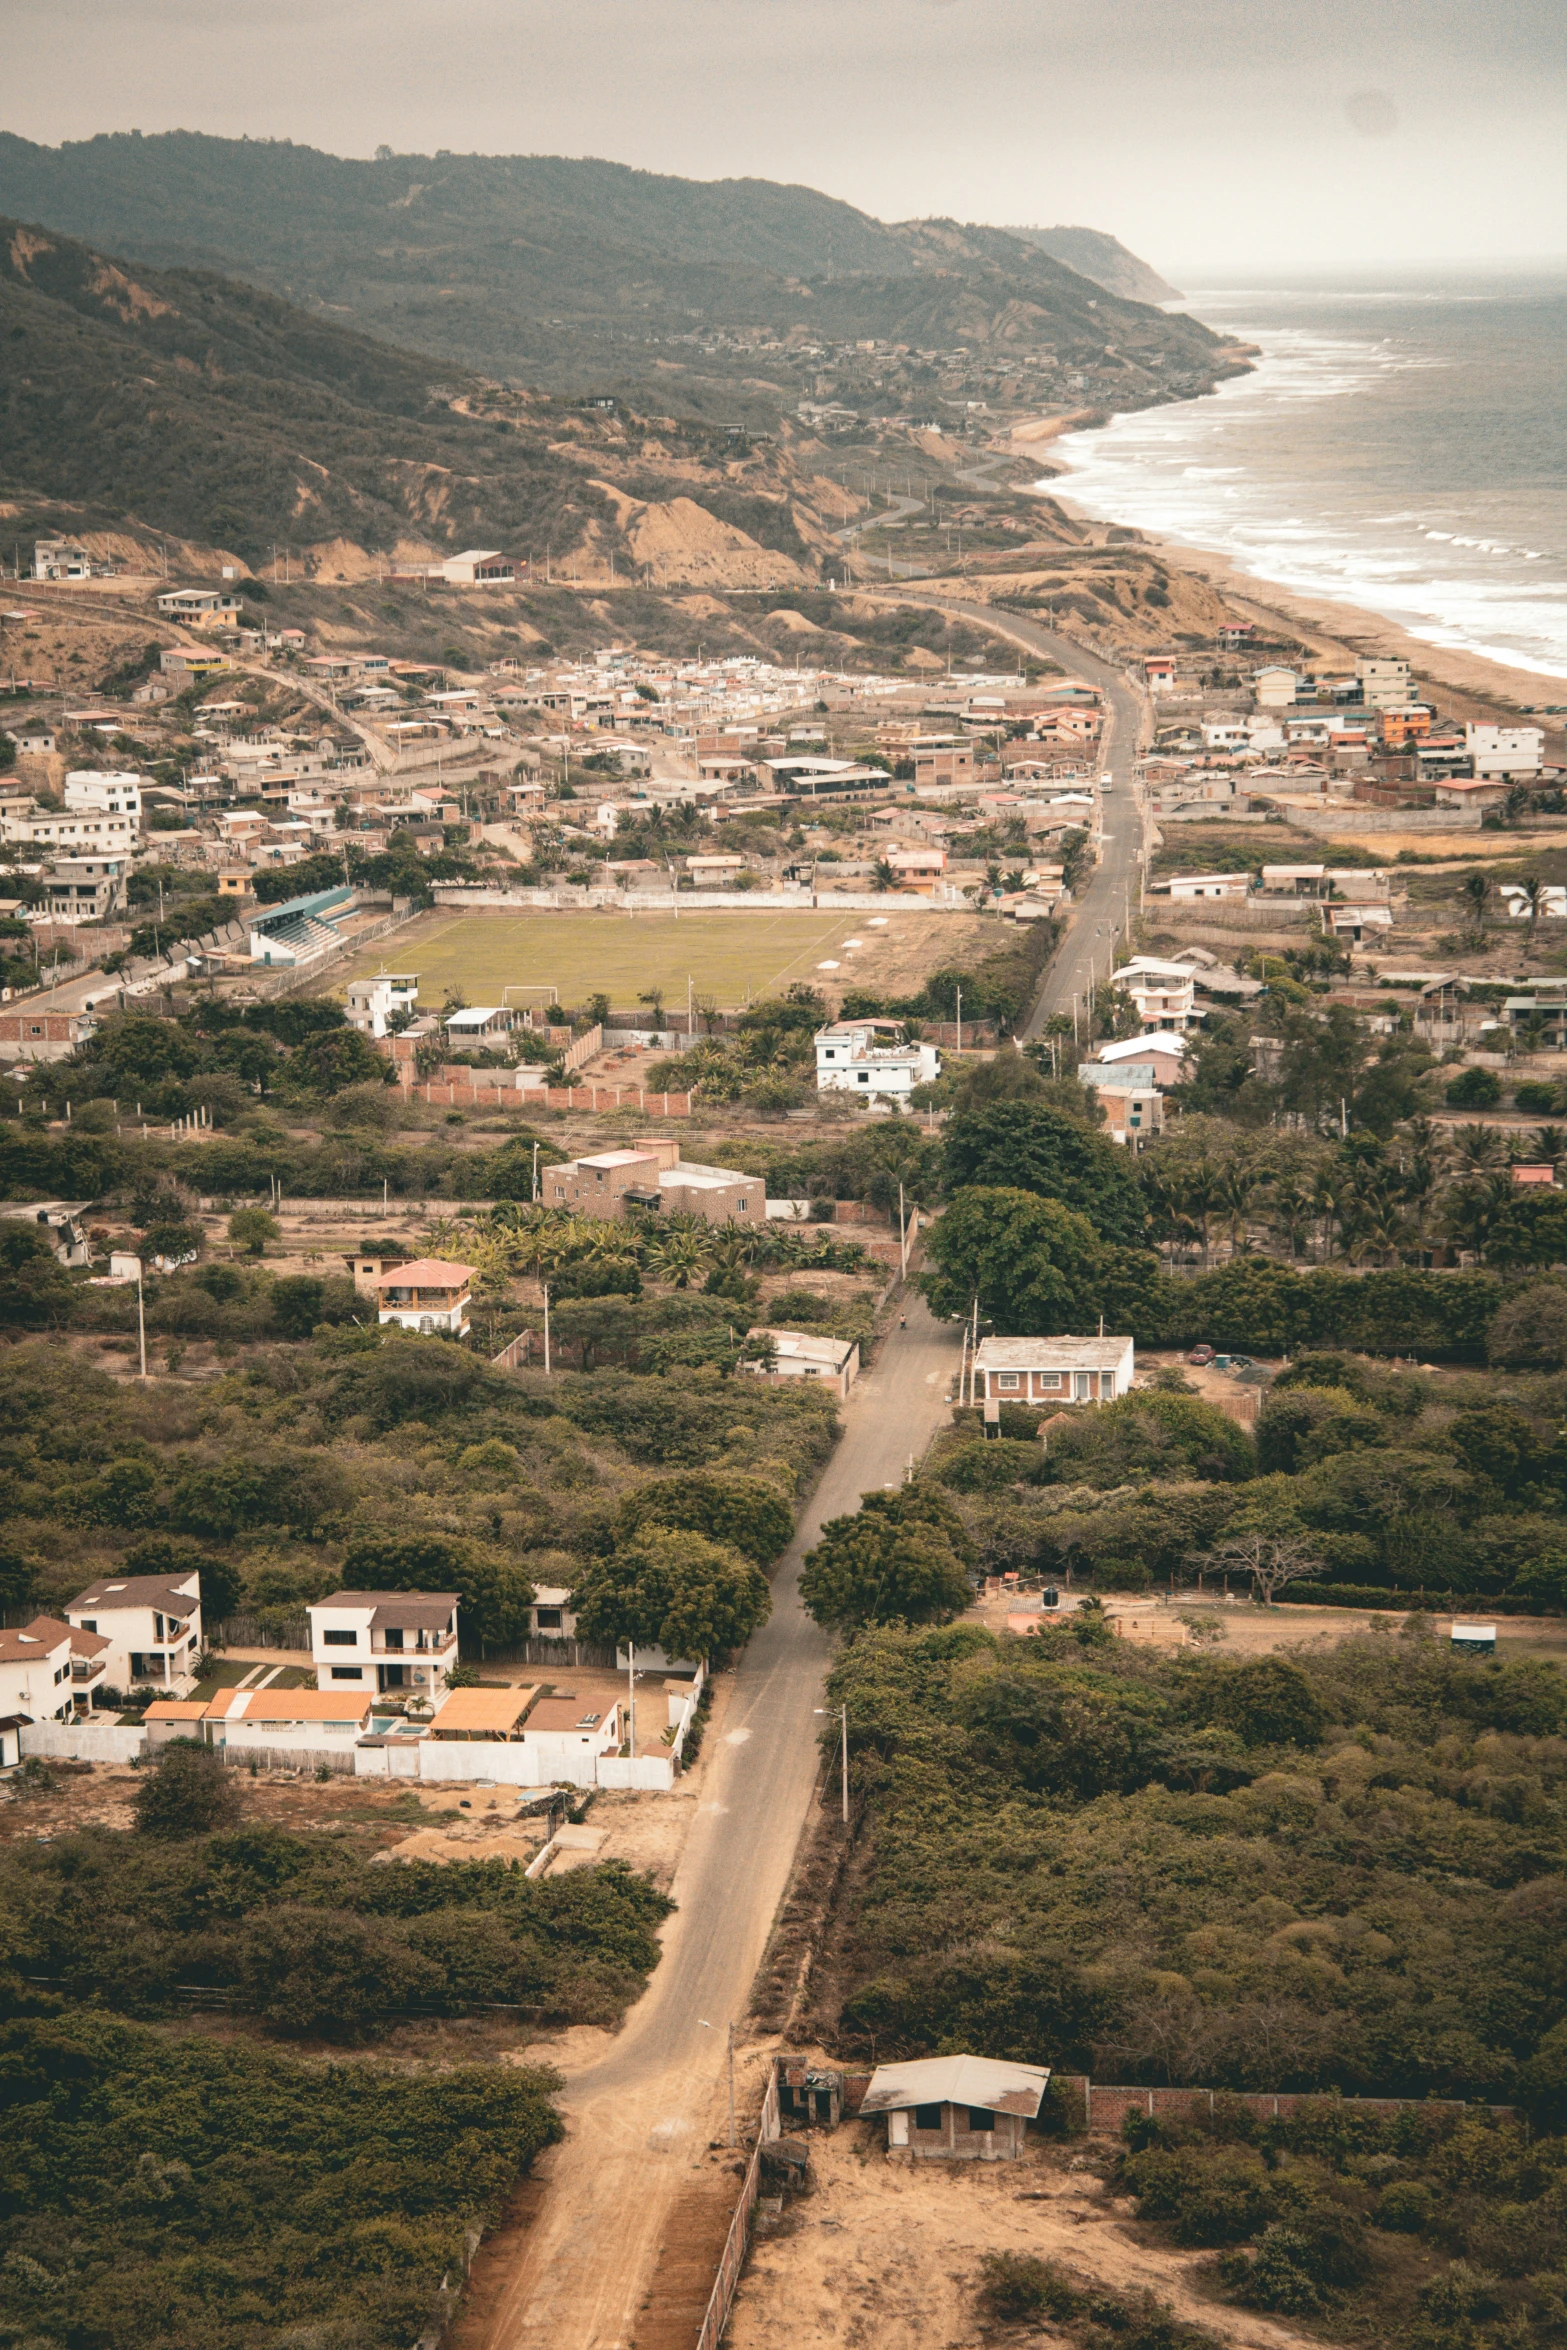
[[1399, 447]]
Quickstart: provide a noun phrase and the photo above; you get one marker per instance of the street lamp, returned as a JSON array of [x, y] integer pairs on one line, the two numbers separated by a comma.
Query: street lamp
[[843, 1712], [734, 2136]]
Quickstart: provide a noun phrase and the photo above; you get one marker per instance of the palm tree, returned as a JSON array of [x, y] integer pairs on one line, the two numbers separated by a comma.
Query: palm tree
[[1549, 1144], [1477, 889], [1237, 1195], [1534, 898], [1478, 1147], [1330, 1195], [1291, 1212], [1199, 1198], [681, 1250]]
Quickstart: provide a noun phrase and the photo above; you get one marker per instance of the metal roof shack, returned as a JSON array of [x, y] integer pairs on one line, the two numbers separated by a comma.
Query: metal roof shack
[[956, 2108]]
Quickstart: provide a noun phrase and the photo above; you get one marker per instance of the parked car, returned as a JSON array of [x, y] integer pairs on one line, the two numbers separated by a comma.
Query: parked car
[[1202, 1356]]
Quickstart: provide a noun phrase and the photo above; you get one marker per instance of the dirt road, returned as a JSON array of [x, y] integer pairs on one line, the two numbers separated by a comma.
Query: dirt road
[[636, 2175]]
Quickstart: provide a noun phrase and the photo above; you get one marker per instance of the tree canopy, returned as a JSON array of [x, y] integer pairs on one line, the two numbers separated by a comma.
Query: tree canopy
[[901, 1558], [668, 1588], [1024, 1145]]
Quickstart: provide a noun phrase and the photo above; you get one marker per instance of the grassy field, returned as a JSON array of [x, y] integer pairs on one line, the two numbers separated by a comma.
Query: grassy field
[[732, 958]]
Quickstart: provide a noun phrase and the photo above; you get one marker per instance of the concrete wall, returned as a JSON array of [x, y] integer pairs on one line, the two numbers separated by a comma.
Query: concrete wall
[[728, 901], [99, 1742]]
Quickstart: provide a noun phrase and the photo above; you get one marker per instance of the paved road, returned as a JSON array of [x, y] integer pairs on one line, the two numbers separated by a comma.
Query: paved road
[[639, 2120], [1100, 919]]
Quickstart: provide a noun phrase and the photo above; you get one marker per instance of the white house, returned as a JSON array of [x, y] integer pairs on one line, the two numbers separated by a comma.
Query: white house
[[151, 1624], [565, 1736], [1505, 750], [374, 1003], [380, 1640], [1053, 1370], [428, 1295], [475, 567], [802, 1354], [35, 1672], [107, 794], [1162, 993], [1206, 885], [300, 1720], [873, 1058]]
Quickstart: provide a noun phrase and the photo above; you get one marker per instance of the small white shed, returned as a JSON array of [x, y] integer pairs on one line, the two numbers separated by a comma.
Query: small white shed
[[956, 2108]]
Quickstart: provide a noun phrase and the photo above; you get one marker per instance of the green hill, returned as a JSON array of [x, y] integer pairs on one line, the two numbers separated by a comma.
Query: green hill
[[735, 295], [177, 400]]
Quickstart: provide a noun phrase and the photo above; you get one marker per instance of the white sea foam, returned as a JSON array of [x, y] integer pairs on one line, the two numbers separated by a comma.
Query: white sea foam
[[1391, 449]]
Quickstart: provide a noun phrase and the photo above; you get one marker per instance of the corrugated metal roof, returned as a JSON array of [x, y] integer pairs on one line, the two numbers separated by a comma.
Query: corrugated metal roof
[[958, 2080]]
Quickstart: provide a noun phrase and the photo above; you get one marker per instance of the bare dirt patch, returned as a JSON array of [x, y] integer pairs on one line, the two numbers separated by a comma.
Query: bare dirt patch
[[890, 2254]]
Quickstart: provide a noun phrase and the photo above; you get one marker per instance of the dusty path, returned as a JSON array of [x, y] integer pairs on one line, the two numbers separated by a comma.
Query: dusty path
[[643, 2107]]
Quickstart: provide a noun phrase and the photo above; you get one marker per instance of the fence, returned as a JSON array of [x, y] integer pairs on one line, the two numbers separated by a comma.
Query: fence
[[549, 1097], [251, 1632], [732, 2259], [726, 901], [1105, 2108], [591, 1042], [97, 1742]]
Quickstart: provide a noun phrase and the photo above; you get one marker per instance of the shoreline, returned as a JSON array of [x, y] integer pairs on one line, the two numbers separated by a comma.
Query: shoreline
[[1328, 625]]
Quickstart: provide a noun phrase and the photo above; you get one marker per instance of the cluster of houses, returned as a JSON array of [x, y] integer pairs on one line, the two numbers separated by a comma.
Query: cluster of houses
[[1288, 734], [383, 1699]]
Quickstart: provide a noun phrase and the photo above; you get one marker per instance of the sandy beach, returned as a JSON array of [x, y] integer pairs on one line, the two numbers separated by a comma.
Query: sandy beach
[[1328, 626]]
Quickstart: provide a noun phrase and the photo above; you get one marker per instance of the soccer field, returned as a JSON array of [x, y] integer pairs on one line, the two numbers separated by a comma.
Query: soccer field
[[732, 958]]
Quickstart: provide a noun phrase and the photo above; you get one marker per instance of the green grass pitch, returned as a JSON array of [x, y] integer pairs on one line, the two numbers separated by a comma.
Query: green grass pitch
[[729, 957]]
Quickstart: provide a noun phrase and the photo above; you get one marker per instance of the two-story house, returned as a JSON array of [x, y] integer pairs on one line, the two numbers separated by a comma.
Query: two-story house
[[152, 1624], [1163, 994], [873, 1058], [35, 1672], [381, 1640], [427, 1295]]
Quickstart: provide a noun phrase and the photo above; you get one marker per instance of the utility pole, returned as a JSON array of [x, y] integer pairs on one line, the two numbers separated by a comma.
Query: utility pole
[[959, 1045], [546, 1287], [631, 1700], [141, 1323]]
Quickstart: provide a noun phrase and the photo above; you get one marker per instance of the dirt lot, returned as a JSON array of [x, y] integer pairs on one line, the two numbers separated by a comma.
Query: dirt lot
[[889, 2254]]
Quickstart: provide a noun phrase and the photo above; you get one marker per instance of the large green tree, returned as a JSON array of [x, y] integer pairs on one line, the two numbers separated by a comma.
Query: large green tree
[[902, 1558], [34, 1289], [1034, 1265], [1026, 1145], [746, 1511], [672, 1589]]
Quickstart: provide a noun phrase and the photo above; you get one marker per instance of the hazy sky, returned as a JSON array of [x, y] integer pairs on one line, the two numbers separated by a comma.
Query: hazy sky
[[1223, 133]]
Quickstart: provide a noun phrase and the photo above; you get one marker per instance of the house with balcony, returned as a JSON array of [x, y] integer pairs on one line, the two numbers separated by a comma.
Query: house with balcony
[[35, 1672], [874, 1059], [427, 1295], [150, 1626], [385, 1640], [1163, 994], [1053, 1371]]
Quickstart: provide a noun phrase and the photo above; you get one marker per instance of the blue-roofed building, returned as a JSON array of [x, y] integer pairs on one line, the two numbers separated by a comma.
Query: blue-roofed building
[[301, 928]]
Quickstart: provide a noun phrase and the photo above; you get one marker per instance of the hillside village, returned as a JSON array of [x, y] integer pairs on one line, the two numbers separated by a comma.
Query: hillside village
[[782, 1321]]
